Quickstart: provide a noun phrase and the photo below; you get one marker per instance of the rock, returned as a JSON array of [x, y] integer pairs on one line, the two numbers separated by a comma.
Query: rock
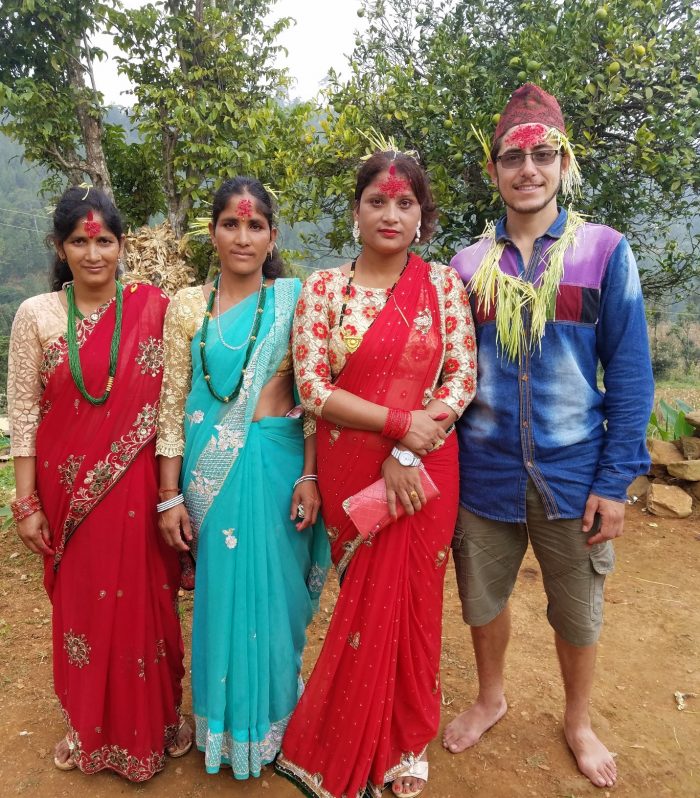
[[691, 448], [662, 452], [639, 487], [694, 490], [658, 472], [668, 501], [685, 469], [693, 418]]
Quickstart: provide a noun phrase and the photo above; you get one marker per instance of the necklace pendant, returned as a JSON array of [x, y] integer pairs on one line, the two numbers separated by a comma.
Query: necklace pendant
[[352, 342]]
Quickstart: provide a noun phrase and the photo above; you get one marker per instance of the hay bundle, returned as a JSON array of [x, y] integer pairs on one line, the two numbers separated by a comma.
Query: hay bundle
[[155, 255]]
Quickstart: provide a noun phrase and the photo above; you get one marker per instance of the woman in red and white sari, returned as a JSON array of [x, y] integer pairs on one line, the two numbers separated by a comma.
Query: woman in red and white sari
[[84, 378], [385, 356]]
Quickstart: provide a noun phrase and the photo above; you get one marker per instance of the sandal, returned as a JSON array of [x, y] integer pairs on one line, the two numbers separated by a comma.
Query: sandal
[[176, 752], [68, 764], [418, 770]]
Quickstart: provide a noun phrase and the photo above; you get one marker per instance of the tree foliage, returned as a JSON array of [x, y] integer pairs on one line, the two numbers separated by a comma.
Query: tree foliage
[[627, 75], [48, 100], [210, 97]]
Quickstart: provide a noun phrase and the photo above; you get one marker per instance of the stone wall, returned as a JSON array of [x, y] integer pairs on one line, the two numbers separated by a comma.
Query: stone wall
[[673, 483]]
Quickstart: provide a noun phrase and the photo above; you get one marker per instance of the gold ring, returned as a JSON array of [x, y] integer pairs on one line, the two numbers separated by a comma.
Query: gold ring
[[438, 444], [413, 495]]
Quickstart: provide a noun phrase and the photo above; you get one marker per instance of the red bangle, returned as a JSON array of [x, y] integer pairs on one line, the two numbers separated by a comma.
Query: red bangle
[[26, 506], [397, 424]]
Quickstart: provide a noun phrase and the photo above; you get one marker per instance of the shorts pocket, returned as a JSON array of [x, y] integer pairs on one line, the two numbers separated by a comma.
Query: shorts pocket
[[602, 558]]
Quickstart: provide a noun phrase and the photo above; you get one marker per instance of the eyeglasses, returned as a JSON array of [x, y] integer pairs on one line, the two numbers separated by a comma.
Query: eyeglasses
[[516, 158]]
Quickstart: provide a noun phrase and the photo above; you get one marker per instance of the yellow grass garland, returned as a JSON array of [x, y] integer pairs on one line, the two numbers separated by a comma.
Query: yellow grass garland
[[512, 295]]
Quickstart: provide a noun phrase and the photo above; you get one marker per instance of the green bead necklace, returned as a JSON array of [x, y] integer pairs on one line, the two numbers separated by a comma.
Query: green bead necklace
[[74, 353], [251, 343]]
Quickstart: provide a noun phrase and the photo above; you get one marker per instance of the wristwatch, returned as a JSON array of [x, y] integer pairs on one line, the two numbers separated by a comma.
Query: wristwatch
[[405, 457]]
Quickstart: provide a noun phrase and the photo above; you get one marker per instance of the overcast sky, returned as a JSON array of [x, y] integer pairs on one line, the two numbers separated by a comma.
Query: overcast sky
[[322, 38]]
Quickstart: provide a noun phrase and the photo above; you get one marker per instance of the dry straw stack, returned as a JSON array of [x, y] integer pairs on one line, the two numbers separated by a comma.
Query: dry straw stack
[[155, 255]]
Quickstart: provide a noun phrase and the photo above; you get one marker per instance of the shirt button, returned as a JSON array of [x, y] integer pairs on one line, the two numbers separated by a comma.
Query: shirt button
[[524, 378], [529, 464], [525, 425]]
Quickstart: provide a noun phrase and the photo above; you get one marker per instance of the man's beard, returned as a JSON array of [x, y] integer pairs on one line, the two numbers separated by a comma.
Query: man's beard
[[535, 208]]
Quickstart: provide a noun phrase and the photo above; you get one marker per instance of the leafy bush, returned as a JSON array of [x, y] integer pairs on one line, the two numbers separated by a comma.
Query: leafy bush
[[668, 423]]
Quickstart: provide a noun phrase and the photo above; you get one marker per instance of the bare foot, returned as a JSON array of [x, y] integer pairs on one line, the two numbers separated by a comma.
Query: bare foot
[[469, 726], [592, 757]]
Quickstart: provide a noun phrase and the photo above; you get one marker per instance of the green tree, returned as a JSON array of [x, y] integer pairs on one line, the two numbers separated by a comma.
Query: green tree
[[48, 98], [210, 99], [626, 74], [138, 192]]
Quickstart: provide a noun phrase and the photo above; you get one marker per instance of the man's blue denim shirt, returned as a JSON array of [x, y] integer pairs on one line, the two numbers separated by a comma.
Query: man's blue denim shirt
[[544, 417]]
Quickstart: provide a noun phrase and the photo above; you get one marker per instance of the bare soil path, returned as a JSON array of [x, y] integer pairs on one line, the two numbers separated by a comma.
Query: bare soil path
[[649, 650]]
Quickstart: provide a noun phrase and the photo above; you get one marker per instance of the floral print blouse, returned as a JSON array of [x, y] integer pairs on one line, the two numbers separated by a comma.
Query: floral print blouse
[[320, 351]]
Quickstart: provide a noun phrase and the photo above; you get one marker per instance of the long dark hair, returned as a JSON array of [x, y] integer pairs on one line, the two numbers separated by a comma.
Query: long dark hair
[[412, 171], [273, 265], [74, 205]]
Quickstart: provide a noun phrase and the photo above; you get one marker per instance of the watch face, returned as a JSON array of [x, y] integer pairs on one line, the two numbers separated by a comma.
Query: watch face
[[406, 458]]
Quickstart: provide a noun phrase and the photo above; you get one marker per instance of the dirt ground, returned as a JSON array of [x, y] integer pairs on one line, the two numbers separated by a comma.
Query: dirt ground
[[650, 649]]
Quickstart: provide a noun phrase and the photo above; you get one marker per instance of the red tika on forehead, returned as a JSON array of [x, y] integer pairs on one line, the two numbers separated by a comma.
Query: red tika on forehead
[[91, 227], [527, 136], [393, 185], [244, 209]]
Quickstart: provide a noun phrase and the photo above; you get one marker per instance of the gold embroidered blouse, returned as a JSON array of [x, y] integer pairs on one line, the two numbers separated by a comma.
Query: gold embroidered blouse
[[39, 321], [320, 352], [182, 321]]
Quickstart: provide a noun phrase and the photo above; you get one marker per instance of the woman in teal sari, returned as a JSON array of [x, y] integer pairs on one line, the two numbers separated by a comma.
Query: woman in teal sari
[[238, 486]]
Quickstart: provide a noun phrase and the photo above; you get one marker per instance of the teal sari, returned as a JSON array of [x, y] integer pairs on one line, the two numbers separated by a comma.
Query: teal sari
[[258, 580]]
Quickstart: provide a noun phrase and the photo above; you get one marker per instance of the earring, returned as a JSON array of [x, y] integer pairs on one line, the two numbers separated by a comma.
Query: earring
[[417, 239], [356, 231]]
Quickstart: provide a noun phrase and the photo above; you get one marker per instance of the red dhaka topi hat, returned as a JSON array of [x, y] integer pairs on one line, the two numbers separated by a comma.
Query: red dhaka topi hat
[[530, 103]]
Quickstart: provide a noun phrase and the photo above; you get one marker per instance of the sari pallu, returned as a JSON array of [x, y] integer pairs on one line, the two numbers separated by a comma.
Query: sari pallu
[[112, 582], [372, 703], [258, 579]]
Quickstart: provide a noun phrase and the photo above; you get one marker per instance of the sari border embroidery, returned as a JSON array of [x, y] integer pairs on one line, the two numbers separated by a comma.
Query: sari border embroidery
[[105, 474], [114, 757], [349, 547], [310, 784], [245, 758]]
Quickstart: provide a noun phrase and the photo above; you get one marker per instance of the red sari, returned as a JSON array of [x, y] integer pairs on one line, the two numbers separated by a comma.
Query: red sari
[[113, 582], [372, 703]]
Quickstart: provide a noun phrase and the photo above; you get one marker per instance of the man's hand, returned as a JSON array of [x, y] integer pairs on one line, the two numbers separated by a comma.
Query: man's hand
[[612, 518]]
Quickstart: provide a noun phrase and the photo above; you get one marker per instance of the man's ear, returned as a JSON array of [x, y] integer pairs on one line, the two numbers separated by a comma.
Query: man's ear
[[491, 169]]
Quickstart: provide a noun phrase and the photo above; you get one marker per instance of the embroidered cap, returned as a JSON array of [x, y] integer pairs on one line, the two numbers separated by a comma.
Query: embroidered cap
[[530, 103]]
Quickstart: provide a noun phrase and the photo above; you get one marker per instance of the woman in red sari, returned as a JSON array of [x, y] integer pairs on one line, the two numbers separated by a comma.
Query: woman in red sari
[[84, 379], [384, 355]]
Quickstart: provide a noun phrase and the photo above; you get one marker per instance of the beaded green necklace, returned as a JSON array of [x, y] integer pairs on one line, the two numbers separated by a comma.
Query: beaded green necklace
[[251, 343], [74, 353]]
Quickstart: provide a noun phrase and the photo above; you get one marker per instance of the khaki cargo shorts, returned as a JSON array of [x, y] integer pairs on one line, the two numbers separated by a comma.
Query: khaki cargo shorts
[[488, 555]]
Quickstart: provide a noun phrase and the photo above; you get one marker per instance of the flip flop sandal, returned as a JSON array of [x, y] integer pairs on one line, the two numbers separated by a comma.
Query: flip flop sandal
[[173, 751], [418, 770], [69, 764]]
